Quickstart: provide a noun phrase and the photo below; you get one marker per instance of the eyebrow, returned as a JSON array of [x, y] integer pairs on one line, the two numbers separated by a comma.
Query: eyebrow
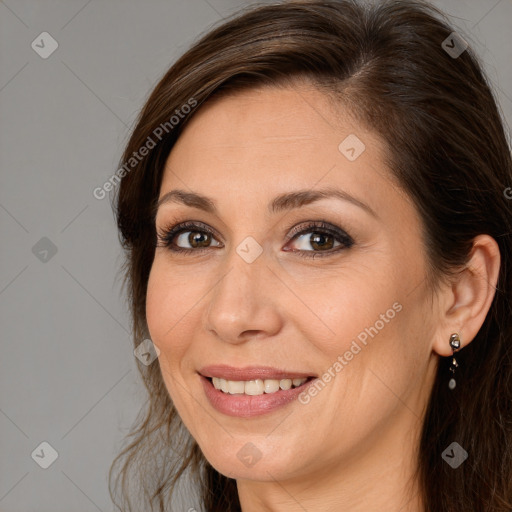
[[283, 202]]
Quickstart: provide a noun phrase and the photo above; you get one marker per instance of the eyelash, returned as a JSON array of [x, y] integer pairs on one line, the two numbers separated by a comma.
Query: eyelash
[[166, 236]]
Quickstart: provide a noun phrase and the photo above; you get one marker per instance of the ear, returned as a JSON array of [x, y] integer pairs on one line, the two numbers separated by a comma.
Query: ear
[[466, 301]]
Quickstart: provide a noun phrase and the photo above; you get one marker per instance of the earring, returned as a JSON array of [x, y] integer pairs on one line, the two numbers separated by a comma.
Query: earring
[[455, 344]]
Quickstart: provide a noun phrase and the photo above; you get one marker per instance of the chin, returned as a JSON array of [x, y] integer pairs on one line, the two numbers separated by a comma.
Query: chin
[[253, 461]]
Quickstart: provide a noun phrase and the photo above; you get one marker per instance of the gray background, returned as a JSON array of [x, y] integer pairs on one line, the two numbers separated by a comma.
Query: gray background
[[68, 375]]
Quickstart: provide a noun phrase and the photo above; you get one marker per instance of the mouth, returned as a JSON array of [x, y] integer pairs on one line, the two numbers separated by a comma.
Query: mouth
[[252, 391], [257, 387], [253, 380]]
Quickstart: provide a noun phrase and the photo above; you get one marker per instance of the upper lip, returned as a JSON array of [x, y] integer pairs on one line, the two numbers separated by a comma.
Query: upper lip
[[223, 371]]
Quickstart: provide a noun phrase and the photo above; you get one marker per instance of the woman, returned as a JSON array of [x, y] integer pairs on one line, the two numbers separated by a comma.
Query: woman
[[373, 376]]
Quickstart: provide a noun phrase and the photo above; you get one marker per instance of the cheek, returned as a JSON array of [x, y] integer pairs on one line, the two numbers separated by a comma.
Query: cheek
[[156, 306], [360, 322], [167, 304], [342, 306], [170, 301]]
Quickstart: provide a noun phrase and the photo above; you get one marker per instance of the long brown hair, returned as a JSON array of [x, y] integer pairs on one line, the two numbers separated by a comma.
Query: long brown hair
[[448, 150]]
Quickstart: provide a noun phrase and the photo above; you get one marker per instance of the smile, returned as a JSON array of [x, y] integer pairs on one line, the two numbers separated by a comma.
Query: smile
[[256, 387]]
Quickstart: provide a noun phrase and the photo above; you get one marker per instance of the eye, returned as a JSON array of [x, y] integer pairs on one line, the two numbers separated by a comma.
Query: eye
[[190, 237], [321, 237], [193, 237]]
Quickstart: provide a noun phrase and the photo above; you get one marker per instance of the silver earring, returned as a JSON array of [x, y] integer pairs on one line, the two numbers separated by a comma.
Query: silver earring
[[455, 345]]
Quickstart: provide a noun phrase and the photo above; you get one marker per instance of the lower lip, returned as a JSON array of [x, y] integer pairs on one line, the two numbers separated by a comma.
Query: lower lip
[[247, 406]]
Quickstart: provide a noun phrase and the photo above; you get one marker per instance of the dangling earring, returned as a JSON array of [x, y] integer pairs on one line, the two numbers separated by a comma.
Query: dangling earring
[[455, 344]]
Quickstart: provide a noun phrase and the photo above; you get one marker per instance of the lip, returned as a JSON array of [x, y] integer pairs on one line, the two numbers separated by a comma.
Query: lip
[[247, 406], [223, 371]]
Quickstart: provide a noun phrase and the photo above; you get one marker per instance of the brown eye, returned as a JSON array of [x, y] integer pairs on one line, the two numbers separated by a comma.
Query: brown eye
[[321, 241], [187, 237], [193, 239], [198, 239], [318, 239]]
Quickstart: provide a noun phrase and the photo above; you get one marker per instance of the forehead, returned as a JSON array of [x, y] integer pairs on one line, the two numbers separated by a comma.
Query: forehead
[[275, 134]]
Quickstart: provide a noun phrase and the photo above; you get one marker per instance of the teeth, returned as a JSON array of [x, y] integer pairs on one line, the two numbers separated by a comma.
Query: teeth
[[236, 387], [271, 386], [285, 384], [255, 387]]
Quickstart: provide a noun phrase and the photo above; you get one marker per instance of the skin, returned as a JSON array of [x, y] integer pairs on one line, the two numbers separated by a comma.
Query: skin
[[352, 446]]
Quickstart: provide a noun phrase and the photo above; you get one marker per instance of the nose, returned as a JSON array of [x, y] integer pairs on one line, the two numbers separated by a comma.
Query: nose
[[243, 304]]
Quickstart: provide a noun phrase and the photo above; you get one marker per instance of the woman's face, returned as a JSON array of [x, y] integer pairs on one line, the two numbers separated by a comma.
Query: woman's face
[[291, 284]]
